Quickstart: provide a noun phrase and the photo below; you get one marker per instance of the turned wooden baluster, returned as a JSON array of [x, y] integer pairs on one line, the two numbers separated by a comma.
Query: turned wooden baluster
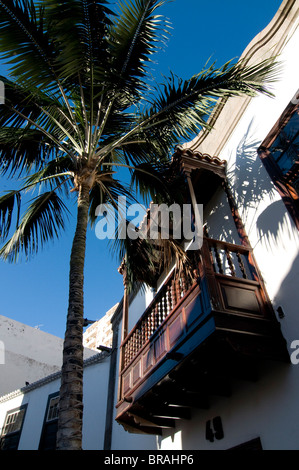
[[173, 294], [157, 315], [218, 260], [177, 289], [125, 354], [134, 341], [166, 302], [129, 349], [161, 310], [142, 333], [241, 265], [148, 325], [138, 340], [230, 262], [132, 348], [152, 315], [184, 283], [168, 298]]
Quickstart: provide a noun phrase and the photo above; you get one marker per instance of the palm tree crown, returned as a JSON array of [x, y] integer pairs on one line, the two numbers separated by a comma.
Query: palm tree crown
[[79, 106]]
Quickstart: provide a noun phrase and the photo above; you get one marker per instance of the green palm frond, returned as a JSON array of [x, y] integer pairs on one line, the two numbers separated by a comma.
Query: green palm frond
[[145, 260], [157, 183], [107, 190], [22, 150], [25, 42], [31, 109], [57, 174], [181, 108], [79, 99], [136, 35], [42, 222], [79, 31], [7, 205]]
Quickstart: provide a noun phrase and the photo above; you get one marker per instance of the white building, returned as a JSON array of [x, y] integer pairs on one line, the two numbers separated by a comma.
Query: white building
[[216, 372], [215, 367], [28, 416], [27, 354]]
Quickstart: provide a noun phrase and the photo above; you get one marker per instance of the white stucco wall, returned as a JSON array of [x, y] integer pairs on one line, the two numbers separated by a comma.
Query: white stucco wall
[[27, 354], [36, 401], [121, 439], [271, 230], [268, 408], [94, 400]]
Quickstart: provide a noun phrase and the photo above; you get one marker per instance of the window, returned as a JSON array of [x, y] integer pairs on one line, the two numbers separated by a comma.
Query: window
[[280, 155], [285, 151], [48, 437], [12, 428], [53, 408]]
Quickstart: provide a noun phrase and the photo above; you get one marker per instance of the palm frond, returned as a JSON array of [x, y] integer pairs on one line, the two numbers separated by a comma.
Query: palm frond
[[107, 190], [28, 108], [181, 108], [7, 205], [145, 260], [22, 150], [42, 222], [158, 183], [134, 37], [56, 174], [79, 31], [25, 43]]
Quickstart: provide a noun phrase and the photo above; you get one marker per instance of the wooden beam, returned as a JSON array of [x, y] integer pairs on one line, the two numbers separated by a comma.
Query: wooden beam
[[144, 419], [172, 412]]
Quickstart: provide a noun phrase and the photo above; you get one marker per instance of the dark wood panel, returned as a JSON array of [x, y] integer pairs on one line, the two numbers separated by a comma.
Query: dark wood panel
[[175, 330], [240, 299]]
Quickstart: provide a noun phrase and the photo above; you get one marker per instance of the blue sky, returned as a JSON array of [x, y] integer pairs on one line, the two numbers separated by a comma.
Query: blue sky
[[36, 292]]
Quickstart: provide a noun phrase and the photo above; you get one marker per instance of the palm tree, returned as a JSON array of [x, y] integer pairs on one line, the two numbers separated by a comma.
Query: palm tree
[[78, 107]]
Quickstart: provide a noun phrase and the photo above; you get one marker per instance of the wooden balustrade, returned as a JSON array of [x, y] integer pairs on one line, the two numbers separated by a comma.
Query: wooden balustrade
[[221, 311], [226, 259], [231, 260], [166, 299]]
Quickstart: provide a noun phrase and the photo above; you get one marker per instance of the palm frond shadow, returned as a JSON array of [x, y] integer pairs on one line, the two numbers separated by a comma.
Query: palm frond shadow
[[250, 184]]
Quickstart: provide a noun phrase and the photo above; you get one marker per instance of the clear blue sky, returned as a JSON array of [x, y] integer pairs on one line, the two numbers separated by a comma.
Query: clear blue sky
[[36, 292]]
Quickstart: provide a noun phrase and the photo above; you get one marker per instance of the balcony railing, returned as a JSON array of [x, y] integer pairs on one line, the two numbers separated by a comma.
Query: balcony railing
[[174, 289], [223, 295]]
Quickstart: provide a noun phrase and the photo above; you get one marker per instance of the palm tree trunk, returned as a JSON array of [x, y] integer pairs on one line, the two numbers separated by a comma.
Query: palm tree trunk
[[69, 436]]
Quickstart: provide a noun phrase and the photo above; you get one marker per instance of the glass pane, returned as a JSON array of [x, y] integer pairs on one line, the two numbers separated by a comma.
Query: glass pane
[[13, 422], [285, 150], [53, 408]]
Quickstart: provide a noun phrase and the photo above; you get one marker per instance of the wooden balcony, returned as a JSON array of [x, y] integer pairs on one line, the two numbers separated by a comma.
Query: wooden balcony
[[199, 332]]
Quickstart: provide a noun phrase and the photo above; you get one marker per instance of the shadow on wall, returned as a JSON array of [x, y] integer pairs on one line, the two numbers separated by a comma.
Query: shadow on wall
[[265, 215], [273, 226], [251, 186], [261, 208], [250, 182]]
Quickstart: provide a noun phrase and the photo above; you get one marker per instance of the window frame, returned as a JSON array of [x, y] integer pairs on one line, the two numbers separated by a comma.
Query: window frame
[[7, 437], [287, 192], [54, 411], [47, 424]]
